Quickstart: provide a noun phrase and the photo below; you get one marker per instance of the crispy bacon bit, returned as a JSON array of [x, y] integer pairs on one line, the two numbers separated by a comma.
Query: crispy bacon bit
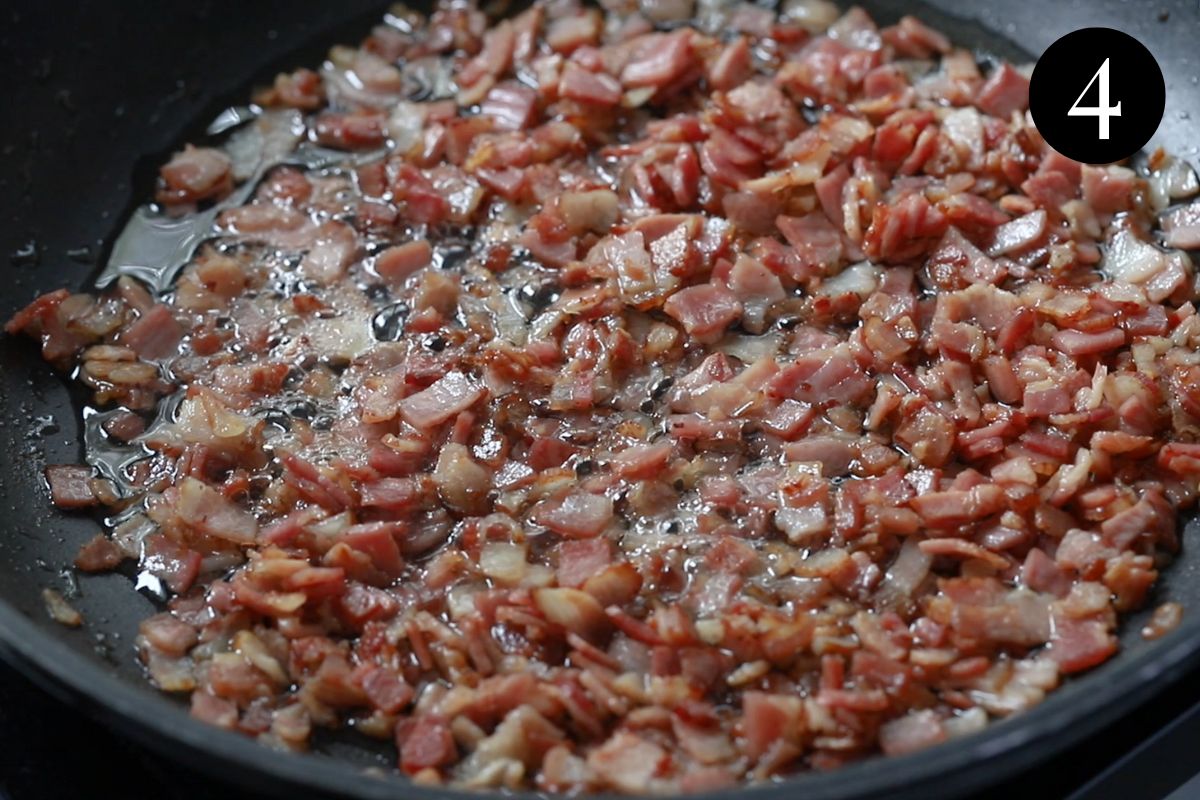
[[632, 401]]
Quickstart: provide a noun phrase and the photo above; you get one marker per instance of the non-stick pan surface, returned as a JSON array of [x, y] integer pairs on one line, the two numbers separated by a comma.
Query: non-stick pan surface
[[96, 94]]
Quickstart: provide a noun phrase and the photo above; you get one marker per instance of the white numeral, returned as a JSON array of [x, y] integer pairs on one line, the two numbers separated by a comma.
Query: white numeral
[[1103, 111]]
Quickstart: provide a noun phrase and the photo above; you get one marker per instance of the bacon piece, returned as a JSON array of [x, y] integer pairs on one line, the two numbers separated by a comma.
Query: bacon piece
[[377, 540], [903, 229], [207, 511], [627, 762], [597, 88], [1006, 90], [1078, 343], [169, 634], [396, 263], [769, 719], [195, 174], [359, 130], [820, 379], [912, 38], [99, 554], [912, 732], [1080, 644], [815, 240], [642, 460], [448, 397], [1181, 227], [579, 515], [955, 507], [71, 486], [155, 334], [705, 311], [511, 106], [425, 742], [660, 58], [175, 565], [493, 59], [580, 559]]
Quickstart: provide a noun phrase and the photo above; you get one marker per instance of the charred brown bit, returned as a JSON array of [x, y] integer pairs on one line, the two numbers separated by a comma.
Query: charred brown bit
[[643, 402]]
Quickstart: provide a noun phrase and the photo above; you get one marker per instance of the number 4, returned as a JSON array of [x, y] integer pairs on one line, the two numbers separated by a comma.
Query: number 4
[[1103, 111]]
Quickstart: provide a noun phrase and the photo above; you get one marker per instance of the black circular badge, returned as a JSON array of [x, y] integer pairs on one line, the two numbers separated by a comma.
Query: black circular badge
[[1097, 95]]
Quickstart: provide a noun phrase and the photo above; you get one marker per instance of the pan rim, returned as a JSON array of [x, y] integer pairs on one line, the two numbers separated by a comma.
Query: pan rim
[[1078, 709]]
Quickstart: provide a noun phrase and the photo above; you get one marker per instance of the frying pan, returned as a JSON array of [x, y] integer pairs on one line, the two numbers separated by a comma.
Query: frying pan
[[98, 94]]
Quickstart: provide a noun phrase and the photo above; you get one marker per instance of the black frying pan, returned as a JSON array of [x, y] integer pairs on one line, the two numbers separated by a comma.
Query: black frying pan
[[95, 97]]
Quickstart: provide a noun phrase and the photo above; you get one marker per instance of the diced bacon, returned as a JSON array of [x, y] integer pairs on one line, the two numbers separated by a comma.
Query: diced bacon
[[1108, 189], [1078, 343], [1042, 574], [956, 259], [425, 742], [579, 515], [99, 554], [732, 66], [216, 711], [955, 507], [642, 460], [817, 243], [912, 38], [386, 690], [961, 548], [350, 131], [1080, 644], [758, 288], [393, 494], [1181, 227], [195, 174], [903, 229], [376, 540], [820, 379], [1042, 401], [1050, 190], [207, 511], [660, 59], [580, 559], [705, 311], [396, 263], [493, 59], [71, 486], [510, 105], [446, 398], [910, 733], [777, 397], [1019, 234], [769, 719], [1006, 90], [598, 88], [155, 334], [175, 565], [627, 762], [569, 32], [834, 455]]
